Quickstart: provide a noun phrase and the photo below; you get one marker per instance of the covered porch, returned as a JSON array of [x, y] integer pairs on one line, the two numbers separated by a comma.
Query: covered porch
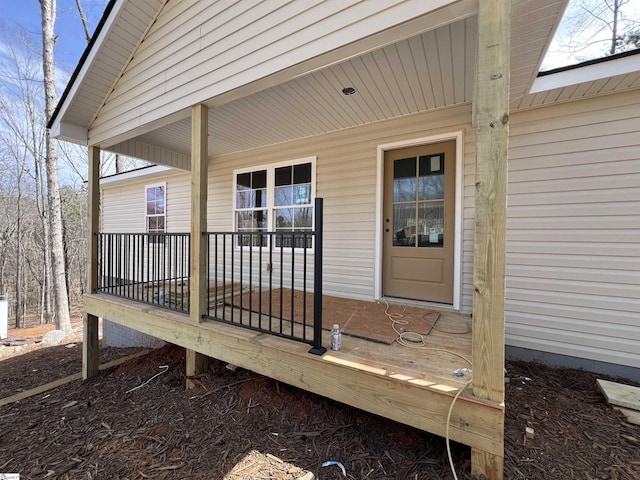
[[416, 386]]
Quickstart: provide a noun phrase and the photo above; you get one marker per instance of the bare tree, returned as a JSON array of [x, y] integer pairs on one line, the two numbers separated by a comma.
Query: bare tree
[[22, 138], [589, 23], [83, 19], [60, 293]]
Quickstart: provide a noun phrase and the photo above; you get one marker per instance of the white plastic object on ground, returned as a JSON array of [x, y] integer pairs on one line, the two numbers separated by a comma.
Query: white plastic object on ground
[[333, 462]]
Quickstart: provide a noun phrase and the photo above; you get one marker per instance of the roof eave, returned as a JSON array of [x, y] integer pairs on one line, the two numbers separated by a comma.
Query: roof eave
[[627, 62], [83, 66]]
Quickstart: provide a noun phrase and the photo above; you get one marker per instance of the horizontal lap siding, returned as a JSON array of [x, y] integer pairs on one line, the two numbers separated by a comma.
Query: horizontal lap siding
[[123, 206], [573, 230], [123, 209], [346, 179], [198, 50]]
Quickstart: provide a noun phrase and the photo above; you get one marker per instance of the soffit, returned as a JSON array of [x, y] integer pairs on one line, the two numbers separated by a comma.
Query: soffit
[[104, 61], [433, 70]]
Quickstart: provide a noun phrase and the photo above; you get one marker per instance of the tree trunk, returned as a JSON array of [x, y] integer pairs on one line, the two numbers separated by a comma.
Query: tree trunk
[[83, 19], [46, 314], [19, 290], [41, 201], [60, 297], [614, 26], [119, 164]]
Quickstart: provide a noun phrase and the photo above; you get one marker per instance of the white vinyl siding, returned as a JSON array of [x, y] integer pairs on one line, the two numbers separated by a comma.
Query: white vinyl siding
[[345, 176], [123, 207], [152, 154], [573, 230], [573, 226], [346, 179], [197, 50]]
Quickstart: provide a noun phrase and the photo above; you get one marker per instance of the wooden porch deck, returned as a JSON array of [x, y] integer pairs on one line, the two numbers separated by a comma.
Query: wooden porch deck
[[414, 386]]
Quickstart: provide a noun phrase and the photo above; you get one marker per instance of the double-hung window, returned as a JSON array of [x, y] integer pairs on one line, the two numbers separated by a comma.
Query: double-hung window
[[155, 211], [275, 198]]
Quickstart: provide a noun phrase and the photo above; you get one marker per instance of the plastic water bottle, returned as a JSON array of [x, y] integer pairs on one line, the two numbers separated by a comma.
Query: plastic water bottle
[[336, 337]]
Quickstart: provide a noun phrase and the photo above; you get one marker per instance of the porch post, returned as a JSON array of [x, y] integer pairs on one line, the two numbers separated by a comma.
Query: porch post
[[196, 362], [492, 120], [90, 347]]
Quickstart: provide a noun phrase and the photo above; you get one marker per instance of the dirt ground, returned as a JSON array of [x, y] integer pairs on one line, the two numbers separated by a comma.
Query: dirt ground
[[239, 425]]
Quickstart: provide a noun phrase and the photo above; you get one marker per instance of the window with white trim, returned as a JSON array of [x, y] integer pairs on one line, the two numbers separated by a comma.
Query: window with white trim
[[155, 221], [275, 198]]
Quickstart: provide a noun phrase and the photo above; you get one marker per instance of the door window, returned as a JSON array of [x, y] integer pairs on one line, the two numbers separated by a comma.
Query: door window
[[418, 201]]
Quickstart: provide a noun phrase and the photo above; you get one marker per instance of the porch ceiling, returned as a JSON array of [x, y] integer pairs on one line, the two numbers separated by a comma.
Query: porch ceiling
[[432, 70]]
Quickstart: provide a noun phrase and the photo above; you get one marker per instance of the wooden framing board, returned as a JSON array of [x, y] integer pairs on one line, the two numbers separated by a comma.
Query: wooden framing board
[[90, 347], [70, 378], [199, 179], [492, 123], [632, 416], [197, 363], [619, 394], [474, 422]]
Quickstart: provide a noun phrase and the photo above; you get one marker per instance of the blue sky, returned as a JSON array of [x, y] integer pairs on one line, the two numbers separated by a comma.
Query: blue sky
[[71, 39], [17, 16]]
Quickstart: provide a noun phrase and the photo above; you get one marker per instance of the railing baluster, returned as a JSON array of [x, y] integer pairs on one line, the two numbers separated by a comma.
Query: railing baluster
[[98, 271], [118, 260], [206, 239], [215, 274], [137, 266], [134, 265], [188, 269], [281, 278], [162, 264], [271, 240], [131, 265], [224, 274], [317, 349], [127, 259], [304, 284], [141, 269], [111, 266], [260, 281], [251, 237], [156, 267], [241, 253], [183, 278], [293, 280]]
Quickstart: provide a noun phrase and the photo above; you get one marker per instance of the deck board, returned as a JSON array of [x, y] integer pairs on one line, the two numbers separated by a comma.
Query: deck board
[[621, 395], [411, 386]]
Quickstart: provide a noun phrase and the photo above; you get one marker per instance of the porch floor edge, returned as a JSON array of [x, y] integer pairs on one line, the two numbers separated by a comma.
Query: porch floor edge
[[420, 398]]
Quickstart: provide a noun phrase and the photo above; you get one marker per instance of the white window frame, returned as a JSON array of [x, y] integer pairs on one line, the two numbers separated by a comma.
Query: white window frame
[[270, 207], [147, 215]]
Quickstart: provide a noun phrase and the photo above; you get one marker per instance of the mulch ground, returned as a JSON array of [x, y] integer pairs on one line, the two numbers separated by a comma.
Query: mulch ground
[[239, 425]]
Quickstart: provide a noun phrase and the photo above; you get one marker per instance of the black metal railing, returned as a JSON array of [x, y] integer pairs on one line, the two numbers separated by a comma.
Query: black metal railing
[[147, 267], [268, 281], [265, 281]]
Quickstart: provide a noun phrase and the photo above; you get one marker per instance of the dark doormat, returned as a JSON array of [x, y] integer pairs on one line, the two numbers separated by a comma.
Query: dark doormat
[[368, 320]]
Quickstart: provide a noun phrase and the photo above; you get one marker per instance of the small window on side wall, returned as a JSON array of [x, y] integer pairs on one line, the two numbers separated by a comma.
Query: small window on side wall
[[155, 221]]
